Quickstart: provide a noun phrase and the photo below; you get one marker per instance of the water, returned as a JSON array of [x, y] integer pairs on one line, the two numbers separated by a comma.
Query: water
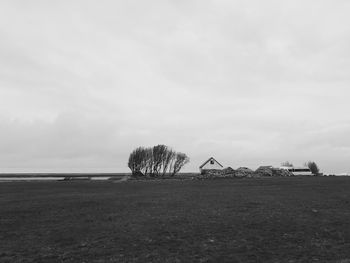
[[13, 179], [35, 179]]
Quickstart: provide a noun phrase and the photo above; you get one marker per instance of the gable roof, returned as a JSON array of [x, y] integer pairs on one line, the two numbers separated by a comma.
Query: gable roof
[[211, 158]]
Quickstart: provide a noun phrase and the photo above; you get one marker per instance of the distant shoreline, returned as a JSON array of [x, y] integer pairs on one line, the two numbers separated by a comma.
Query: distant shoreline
[[28, 175], [66, 174]]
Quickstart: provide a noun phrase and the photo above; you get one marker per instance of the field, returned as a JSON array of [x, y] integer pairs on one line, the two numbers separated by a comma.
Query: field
[[242, 220]]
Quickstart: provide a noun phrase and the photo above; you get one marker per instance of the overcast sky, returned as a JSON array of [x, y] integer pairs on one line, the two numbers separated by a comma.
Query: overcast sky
[[251, 83]]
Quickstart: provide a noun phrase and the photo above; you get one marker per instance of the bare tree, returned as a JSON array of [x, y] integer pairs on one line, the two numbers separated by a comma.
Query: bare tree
[[287, 164], [148, 161], [159, 153], [313, 168], [136, 161], [167, 160], [132, 162], [180, 160]]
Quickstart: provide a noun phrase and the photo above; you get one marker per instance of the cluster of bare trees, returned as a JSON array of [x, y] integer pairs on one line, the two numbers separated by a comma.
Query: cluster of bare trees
[[287, 164], [156, 161]]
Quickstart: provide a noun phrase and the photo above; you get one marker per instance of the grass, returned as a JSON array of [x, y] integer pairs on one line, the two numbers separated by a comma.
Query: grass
[[247, 220]]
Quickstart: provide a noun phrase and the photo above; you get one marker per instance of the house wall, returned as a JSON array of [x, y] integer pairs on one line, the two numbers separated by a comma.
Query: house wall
[[215, 166]]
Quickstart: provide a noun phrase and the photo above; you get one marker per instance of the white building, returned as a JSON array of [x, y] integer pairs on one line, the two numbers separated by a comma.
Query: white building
[[298, 170], [210, 164]]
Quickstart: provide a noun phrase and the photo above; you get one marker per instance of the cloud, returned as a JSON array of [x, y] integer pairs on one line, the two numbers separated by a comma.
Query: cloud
[[250, 82]]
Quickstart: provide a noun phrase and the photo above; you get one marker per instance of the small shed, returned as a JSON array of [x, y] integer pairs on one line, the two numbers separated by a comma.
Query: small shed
[[210, 164]]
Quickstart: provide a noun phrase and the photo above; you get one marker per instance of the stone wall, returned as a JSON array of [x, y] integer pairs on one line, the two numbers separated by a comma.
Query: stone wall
[[270, 171], [213, 173], [263, 171]]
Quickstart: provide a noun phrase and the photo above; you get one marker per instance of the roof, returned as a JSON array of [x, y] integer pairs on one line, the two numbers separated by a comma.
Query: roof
[[294, 168], [211, 158]]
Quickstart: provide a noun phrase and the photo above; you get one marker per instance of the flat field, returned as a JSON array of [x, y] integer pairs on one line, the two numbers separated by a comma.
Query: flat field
[[227, 220]]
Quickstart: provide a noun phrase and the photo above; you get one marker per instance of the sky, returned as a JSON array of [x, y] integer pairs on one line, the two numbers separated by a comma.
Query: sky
[[83, 83]]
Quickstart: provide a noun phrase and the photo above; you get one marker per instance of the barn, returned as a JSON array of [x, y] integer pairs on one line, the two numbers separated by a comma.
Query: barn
[[210, 164]]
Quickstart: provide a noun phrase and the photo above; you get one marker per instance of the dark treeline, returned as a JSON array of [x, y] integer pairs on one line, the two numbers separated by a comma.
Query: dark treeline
[[156, 161]]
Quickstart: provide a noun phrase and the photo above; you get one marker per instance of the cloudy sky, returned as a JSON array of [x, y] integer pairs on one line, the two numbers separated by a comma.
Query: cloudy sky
[[251, 83]]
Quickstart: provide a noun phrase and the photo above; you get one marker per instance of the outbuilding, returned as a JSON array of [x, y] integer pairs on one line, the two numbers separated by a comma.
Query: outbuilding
[[210, 164]]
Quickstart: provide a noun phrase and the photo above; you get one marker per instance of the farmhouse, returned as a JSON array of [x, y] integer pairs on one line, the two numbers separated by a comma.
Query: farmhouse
[[210, 164]]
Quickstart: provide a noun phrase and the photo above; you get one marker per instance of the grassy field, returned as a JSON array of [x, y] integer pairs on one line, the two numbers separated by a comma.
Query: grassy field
[[242, 220]]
